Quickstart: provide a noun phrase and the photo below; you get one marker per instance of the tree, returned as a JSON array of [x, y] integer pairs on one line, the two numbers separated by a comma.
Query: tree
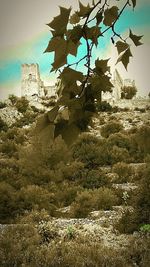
[[78, 91], [128, 92]]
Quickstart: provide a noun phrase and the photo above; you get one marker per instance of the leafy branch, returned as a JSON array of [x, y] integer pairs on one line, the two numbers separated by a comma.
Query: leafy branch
[[78, 91]]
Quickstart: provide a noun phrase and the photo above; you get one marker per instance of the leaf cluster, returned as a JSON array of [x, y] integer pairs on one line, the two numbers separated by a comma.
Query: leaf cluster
[[78, 91]]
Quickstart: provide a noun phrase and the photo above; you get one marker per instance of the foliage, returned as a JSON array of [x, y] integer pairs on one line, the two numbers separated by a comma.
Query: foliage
[[22, 104], [128, 92], [22, 245], [95, 179], [104, 106], [111, 128], [143, 139], [2, 105], [89, 200], [78, 90], [3, 125], [90, 150], [132, 221], [13, 99], [124, 172], [145, 228]]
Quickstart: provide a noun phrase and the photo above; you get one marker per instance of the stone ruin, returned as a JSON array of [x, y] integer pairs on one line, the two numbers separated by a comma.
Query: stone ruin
[[118, 83], [31, 83]]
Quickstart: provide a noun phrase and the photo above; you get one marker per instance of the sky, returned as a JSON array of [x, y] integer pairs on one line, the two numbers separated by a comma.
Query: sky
[[24, 36]]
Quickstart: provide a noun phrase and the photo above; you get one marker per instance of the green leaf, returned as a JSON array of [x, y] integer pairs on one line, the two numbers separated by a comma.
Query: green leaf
[[72, 48], [59, 46], [59, 23], [93, 33], [99, 17], [110, 15], [101, 66], [99, 84], [69, 76], [121, 46], [125, 57], [74, 19], [52, 114], [136, 39], [56, 44], [75, 34], [133, 3], [70, 134], [84, 10]]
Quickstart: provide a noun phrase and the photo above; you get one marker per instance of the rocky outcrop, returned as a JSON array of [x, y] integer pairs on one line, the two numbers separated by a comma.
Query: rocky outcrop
[[9, 115]]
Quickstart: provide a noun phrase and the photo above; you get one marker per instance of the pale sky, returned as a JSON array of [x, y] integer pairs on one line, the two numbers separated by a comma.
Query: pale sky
[[24, 37]]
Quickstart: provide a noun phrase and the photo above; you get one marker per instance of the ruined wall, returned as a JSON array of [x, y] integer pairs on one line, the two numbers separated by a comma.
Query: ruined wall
[[32, 84]]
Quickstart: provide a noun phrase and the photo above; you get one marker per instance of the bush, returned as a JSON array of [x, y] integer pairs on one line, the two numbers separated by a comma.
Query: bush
[[3, 125], [83, 204], [141, 203], [105, 198], [22, 104], [2, 105], [120, 140], [23, 246], [13, 99], [143, 139], [104, 106], [111, 128], [95, 179], [118, 154], [18, 244], [9, 148], [8, 207], [90, 150], [35, 197], [89, 200], [128, 92], [124, 172]]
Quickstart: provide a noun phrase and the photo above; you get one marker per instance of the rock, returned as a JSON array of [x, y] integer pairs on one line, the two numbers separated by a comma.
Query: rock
[[9, 115]]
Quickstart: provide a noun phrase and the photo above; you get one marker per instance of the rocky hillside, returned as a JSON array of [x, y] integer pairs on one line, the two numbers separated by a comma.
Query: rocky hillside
[[83, 206]]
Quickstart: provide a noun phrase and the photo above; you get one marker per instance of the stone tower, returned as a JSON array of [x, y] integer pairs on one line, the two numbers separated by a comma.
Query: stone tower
[[118, 84], [31, 83]]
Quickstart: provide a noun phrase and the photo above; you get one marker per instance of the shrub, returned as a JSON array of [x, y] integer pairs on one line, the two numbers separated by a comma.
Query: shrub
[[95, 179], [118, 154], [90, 150], [143, 139], [104, 106], [35, 197], [105, 198], [111, 128], [22, 104], [72, 171], [18, 244], [138, 250], [8, 207], [9, 148], [3, 125], [13, 99], [88, 200], [124, 172], [48, 231], [33, 217], [83, 204], [120, 140], [141, 203], [66, 194], [2, 105], [128, 92]]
